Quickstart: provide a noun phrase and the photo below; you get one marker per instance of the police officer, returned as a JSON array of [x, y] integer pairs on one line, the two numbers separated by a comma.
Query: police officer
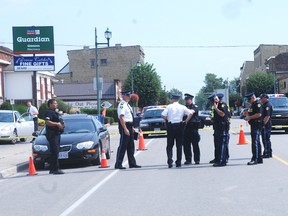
[[221, 126], [173, 114], [54, 128], [191, 134], [126, 130], [267, 110], [255, 121]]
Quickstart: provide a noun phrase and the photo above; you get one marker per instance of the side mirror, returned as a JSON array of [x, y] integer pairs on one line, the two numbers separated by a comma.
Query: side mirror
[[36, 134], [102, 129]]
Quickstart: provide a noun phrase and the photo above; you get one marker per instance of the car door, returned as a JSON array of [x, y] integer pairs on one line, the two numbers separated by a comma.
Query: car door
[[24, 124], [103, 133]]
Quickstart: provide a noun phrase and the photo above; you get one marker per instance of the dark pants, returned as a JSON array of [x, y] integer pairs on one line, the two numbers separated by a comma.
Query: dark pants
[[266, 133], [126, 144], [221, 139], [174, 132], [54, 142], [256, 145], [35, 120], [191, 136]]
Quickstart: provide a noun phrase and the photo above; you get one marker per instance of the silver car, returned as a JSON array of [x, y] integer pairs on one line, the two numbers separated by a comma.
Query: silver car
[[14, 126]]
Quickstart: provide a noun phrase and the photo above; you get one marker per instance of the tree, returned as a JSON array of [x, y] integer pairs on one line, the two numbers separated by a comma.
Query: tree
[[259, 83], [147, 84], [212, 82]]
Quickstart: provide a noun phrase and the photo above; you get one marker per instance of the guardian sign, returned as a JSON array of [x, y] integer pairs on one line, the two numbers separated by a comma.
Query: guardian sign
[[33, 40]]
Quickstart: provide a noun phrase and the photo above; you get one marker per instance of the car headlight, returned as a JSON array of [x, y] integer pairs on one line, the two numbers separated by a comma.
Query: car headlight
[[7, 128], [144, 125], [40, 148], [85, 145]]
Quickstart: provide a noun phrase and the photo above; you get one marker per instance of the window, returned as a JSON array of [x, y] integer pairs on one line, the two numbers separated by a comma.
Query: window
[[103, 62], [92, 63]]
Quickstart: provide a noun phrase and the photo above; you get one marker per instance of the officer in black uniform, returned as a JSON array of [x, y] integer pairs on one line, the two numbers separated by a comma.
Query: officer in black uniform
[[255, 120], [54, 128], [126, 130], [191, 134], [221, 126], [267, 110]]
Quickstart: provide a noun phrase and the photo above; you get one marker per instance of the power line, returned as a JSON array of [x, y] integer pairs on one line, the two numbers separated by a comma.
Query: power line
[[165, 46]]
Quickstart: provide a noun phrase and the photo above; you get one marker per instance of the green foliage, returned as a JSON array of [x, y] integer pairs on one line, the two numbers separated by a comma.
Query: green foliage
[[6, 106], [212, 82], [108, 120], [110, 112], [259, 83], [41, 122], [62, 106], [21, 108], [147, 84], [176, 91], [201, 100], [163, 98], [42, 110], [235, 100]]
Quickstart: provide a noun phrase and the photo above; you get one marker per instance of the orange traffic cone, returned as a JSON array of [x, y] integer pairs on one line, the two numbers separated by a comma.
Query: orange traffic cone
[[104, 162], [141, 143], [32, 170], [242, 139], [104, 112]]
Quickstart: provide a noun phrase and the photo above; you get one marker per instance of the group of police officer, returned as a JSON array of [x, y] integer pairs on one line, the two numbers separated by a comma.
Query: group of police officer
[[183, 124]]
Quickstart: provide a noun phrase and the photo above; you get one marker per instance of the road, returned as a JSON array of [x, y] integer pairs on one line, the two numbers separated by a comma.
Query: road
[[236, 189]]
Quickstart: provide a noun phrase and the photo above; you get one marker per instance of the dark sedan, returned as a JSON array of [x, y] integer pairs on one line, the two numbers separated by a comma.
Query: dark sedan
[[83, 139], [152, 122]]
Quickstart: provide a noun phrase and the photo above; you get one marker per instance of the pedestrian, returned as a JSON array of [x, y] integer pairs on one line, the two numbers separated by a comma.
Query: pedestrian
[[255, 120], [54, 128], [267, 110], [221, 126], [173, 115], [191, 133], [126, 130], [33, 112]]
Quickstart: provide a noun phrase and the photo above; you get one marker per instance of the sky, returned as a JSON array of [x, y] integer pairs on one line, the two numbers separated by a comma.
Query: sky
[[184, 39]]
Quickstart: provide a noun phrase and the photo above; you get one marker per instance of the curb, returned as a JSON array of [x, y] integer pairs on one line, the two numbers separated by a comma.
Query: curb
[[13, 170]]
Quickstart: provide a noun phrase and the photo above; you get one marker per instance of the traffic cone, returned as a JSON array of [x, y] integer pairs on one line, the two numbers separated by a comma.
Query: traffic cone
[[242, 139], [104, 112], [104, 162], [32, 170], [141, 143]]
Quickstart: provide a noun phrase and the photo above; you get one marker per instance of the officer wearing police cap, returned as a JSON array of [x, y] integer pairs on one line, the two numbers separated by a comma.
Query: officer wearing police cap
[[126, 130], [221, 130], [267, 110], [191, 134], [173, 114], [255, 121]]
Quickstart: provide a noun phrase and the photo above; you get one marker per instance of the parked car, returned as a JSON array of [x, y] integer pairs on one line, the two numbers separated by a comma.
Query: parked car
[[14, 126], [205, 118], [83, 139], [279, 116], [244, 113], [152, 122]]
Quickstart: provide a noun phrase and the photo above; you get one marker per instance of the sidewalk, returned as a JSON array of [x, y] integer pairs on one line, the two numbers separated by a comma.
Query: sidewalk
[[14, 158]]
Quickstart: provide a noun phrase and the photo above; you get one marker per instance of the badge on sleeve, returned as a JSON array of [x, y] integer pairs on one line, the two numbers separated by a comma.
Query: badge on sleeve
[[259, 105], [223, 105], [267, 108]]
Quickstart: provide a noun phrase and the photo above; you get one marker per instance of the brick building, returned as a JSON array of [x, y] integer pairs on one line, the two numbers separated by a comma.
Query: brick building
[[75, 79]]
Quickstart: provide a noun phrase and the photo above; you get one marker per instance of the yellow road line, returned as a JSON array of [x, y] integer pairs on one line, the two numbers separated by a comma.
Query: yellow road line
[[280, 159]]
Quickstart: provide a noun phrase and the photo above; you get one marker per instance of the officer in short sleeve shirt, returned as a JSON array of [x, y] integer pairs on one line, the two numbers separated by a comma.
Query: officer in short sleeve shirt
[[267, 110], [254, 118]]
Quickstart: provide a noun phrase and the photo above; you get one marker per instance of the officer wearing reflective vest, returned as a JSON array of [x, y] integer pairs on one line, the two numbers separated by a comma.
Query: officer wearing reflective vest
[[267, 110], [191, 134], [254, 118], [221, 126], [126, 130]]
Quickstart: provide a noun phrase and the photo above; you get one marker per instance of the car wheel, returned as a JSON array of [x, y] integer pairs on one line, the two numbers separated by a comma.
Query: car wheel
[[14, 139], [23, 139], [97, 161], [39, 165]]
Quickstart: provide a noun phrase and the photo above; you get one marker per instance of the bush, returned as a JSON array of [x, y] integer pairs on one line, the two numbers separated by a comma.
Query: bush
[[41, 122], [108, 120], [110, 112], [21, 108], [61, 106], [6, 106]]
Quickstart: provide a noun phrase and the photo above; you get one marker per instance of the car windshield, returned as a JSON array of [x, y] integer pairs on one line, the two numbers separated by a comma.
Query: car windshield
[[6, 117], [153, 113], [279, 102], [77, 126]]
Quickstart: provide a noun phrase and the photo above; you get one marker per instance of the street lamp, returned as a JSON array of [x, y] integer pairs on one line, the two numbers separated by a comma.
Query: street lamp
[[108, 36], [138, 64]]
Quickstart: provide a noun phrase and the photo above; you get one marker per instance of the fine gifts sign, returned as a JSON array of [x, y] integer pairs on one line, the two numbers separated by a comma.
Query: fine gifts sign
[[36, 63]]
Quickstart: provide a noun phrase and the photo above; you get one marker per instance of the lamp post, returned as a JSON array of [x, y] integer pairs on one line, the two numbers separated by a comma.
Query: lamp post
[[138, 64], [108, 35]]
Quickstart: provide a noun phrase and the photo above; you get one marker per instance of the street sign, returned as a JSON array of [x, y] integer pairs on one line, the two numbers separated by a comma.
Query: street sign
[[33, 40], [37, 63], [106, 104]]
